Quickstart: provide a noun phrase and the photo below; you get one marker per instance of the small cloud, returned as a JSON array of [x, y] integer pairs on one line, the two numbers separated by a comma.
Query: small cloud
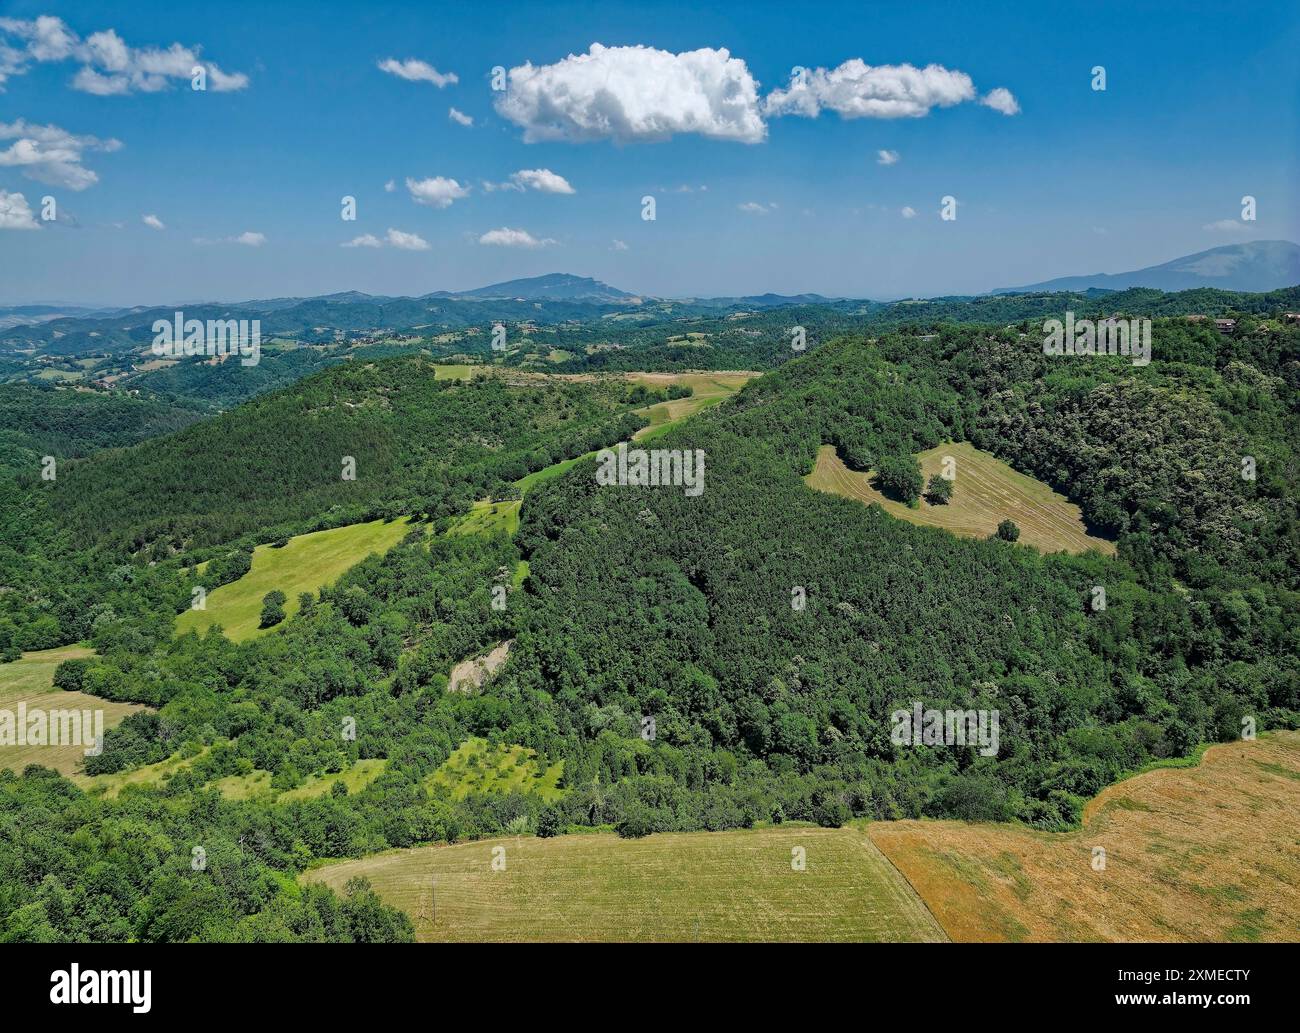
[[1226, 226], [389, 187], [545, 180], [417, 71], [908, 212], [618, 245], [460, 117], [153, 222], [886, 157], [1001, 99], [50, 154], [506, 237], [250, 239], [436, 192], [407, 241], [365, 240], [16, 213], [753, 208]]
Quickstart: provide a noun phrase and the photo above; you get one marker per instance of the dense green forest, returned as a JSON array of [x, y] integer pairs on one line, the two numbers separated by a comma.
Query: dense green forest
[[355, 442], [647, 602]]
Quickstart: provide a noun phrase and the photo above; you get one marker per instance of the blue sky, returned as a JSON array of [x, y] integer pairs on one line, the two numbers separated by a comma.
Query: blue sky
[[1201, 108]]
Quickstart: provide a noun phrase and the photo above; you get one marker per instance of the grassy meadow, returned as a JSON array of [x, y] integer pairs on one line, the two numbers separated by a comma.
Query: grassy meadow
[[30, 680], [708, 886], [985, 492], [304, 565]]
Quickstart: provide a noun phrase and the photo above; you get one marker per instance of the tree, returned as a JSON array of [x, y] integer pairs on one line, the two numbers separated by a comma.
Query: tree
[[272, 608], [939, 491], [306, 604], [550, 822], [1008, 531], [900, 478]]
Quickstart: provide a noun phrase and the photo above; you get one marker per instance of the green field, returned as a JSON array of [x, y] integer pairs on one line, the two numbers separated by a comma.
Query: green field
[[708, 886], [356, 778], [478, 766], [986, 491], [304, 565], [30, 680], [151, 775]]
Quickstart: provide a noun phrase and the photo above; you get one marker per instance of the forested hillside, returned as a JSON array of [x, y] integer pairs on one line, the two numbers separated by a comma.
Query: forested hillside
[[647, 602], [355, 442]]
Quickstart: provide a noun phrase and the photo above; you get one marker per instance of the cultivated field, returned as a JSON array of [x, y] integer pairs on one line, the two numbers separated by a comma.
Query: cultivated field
[[30, 680], [729, 886], [986, 491], [1210, 853], [304, 565]]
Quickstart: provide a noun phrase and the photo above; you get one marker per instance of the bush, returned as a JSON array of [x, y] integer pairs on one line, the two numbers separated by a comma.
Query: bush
[[272, 608], [1008, 531]]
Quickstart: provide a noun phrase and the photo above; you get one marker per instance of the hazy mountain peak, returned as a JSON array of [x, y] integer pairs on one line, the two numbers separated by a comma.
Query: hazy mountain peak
[[1256, 266]]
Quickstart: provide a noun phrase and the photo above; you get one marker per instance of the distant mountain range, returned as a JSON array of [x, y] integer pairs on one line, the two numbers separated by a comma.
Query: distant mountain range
[[1256, 267], [1261, 265], [551, 287]]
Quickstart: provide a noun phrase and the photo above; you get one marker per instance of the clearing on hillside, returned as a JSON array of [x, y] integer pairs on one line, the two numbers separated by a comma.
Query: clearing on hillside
[[30, 681], [985, 492], [1209, 853], [304, 565], [709, 886], [477, 766], [709, 389]]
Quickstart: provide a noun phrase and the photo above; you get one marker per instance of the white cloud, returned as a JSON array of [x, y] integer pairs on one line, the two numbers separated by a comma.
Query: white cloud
[[908, 212], [250, 239], [15, 213], [109, 66], [460, 117], [153, 222], [543, 180], [856, 89], [417, 71], [365, 240], [1226, 226], [618, 245], [407, 241], [886, 157], [635, 94], [754, 208], [436, 192], [49, 154], [389, 187], [506, 237], [1001, 99]]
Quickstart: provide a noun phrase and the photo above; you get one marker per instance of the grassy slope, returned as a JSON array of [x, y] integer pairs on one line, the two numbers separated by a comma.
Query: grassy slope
[[733, 886], [986, 491], [30, 681], [1192, 854], [479, 766], [304, 565]]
